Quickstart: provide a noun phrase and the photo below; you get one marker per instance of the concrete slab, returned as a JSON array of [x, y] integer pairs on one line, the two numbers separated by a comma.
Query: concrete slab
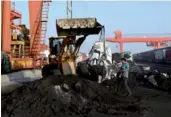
[[11, 81]]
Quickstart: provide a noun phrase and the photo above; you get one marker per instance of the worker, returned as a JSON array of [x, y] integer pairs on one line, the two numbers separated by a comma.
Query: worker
[[123, 75]]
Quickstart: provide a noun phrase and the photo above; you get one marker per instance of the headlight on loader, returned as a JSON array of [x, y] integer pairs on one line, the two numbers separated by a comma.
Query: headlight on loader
[[52, 56]]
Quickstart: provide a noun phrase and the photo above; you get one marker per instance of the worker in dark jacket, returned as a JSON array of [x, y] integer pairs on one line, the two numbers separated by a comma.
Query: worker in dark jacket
[[124, 74]]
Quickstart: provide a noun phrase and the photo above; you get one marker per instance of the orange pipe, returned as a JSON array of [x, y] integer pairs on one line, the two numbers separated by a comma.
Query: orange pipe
[[35, 8], [6, 28]]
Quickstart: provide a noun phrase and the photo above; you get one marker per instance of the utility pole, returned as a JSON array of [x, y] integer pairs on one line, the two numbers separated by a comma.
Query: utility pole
[[13, 5], [69, 8]]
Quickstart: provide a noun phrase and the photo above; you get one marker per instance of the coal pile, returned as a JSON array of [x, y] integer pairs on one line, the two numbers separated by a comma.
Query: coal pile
[[164, 82], [64, 95], [153, 79]]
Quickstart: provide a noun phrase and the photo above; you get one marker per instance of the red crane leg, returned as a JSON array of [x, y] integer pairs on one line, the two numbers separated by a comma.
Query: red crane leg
[[6, 29], [121, 46], [158, 45], [35, 8]]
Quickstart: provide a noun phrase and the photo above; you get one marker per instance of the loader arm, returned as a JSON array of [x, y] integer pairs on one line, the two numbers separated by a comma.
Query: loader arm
[[72, 28], [65, 45], [78, 44], [66, 59]]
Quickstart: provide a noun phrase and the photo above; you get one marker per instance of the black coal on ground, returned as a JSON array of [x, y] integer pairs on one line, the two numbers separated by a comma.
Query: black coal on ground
[[64, 95]]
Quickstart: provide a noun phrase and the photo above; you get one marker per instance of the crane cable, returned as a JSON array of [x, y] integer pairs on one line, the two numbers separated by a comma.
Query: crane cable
[[102, 39]]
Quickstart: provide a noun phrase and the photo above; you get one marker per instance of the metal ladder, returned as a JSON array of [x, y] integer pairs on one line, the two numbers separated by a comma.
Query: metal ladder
[[40, 35]]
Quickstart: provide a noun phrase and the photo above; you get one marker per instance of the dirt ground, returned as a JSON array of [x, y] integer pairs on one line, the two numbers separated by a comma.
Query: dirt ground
[[157, 103], [71, 96]]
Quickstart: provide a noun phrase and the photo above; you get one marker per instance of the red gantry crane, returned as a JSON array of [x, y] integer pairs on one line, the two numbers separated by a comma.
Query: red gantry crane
[[156, 41], [38, 18]]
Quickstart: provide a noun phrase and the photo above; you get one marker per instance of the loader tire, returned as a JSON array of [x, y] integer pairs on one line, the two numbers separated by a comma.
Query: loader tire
[[46, 71], [50, 69], [82, 69]]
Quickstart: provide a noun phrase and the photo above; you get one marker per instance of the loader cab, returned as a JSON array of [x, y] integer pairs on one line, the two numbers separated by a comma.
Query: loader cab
[[54, 46]]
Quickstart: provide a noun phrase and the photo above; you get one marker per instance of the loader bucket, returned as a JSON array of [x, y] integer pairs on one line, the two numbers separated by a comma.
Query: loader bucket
[[77, 26]]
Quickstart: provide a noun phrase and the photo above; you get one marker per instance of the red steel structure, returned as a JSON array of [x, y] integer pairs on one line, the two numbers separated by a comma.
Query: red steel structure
[[38, 11], [8, 16], [38, 14], [157, 41]]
